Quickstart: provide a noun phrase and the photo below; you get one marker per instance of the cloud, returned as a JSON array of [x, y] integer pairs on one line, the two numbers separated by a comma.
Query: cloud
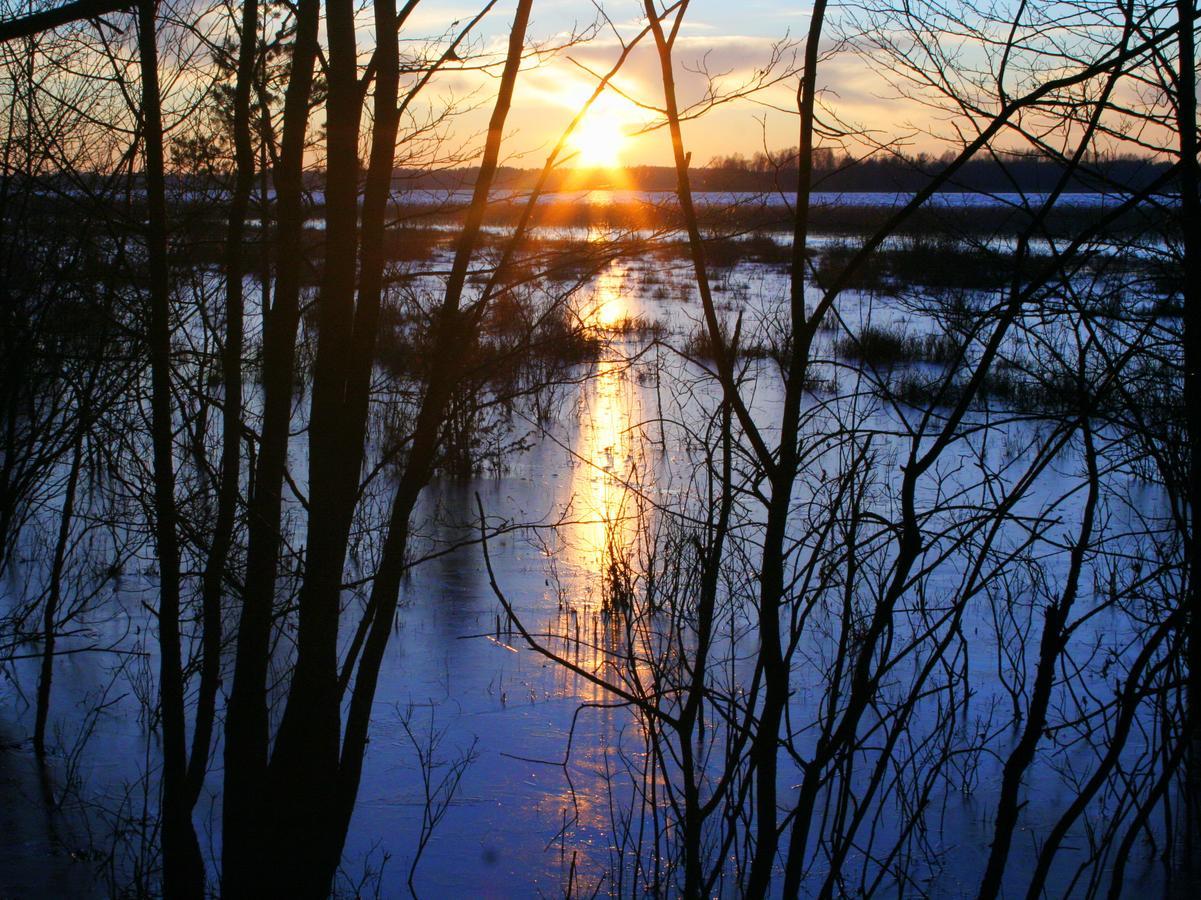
[[551, 90]]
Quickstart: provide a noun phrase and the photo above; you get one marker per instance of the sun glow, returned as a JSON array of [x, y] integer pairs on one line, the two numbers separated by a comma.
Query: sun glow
[[599, 139]]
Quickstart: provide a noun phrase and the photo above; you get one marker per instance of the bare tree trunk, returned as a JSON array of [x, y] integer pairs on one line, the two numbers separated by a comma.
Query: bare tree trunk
[[304, 763], [311, 828], [1129, 697], [694, 810], [38, 22], [781, 468], [444, 372], [183, 870], [246, 727], [53, 598], [1051, 646], [231, 419], [776, 668], [1190, 214]]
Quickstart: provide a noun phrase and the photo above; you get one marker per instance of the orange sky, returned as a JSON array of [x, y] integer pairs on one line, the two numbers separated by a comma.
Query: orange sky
[[734, 43], [735, 47]]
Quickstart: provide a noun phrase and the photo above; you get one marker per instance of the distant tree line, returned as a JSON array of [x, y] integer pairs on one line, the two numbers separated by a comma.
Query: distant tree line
[[836, 172]]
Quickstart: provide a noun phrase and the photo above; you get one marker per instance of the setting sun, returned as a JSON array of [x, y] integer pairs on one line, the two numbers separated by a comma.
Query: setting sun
[[598, 141]]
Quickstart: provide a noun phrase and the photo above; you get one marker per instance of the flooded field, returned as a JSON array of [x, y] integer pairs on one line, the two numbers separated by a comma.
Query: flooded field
[[574, 449], [514, 774]]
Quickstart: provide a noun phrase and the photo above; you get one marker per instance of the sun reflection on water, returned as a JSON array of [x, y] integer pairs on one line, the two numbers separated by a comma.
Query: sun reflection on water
[[613, 474], [610, 465]]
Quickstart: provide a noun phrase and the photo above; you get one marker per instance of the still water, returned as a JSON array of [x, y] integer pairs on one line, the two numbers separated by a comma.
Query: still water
[[547, 756]]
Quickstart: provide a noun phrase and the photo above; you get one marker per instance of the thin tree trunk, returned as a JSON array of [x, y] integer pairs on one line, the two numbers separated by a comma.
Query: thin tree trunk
[[1190, 209], [183, 870], [781, 469], [1051, 646], [302, 773], [690, 715], [231, 420], [1127, 702], [244, 840], [446, 359], [53, 599], [36, 23]]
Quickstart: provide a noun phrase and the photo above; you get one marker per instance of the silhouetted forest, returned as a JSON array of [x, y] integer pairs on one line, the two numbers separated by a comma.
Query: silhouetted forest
[[836, 173]]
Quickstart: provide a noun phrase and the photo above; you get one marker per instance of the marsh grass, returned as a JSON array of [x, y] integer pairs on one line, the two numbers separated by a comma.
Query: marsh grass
[[883, 346], [931, 260]]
